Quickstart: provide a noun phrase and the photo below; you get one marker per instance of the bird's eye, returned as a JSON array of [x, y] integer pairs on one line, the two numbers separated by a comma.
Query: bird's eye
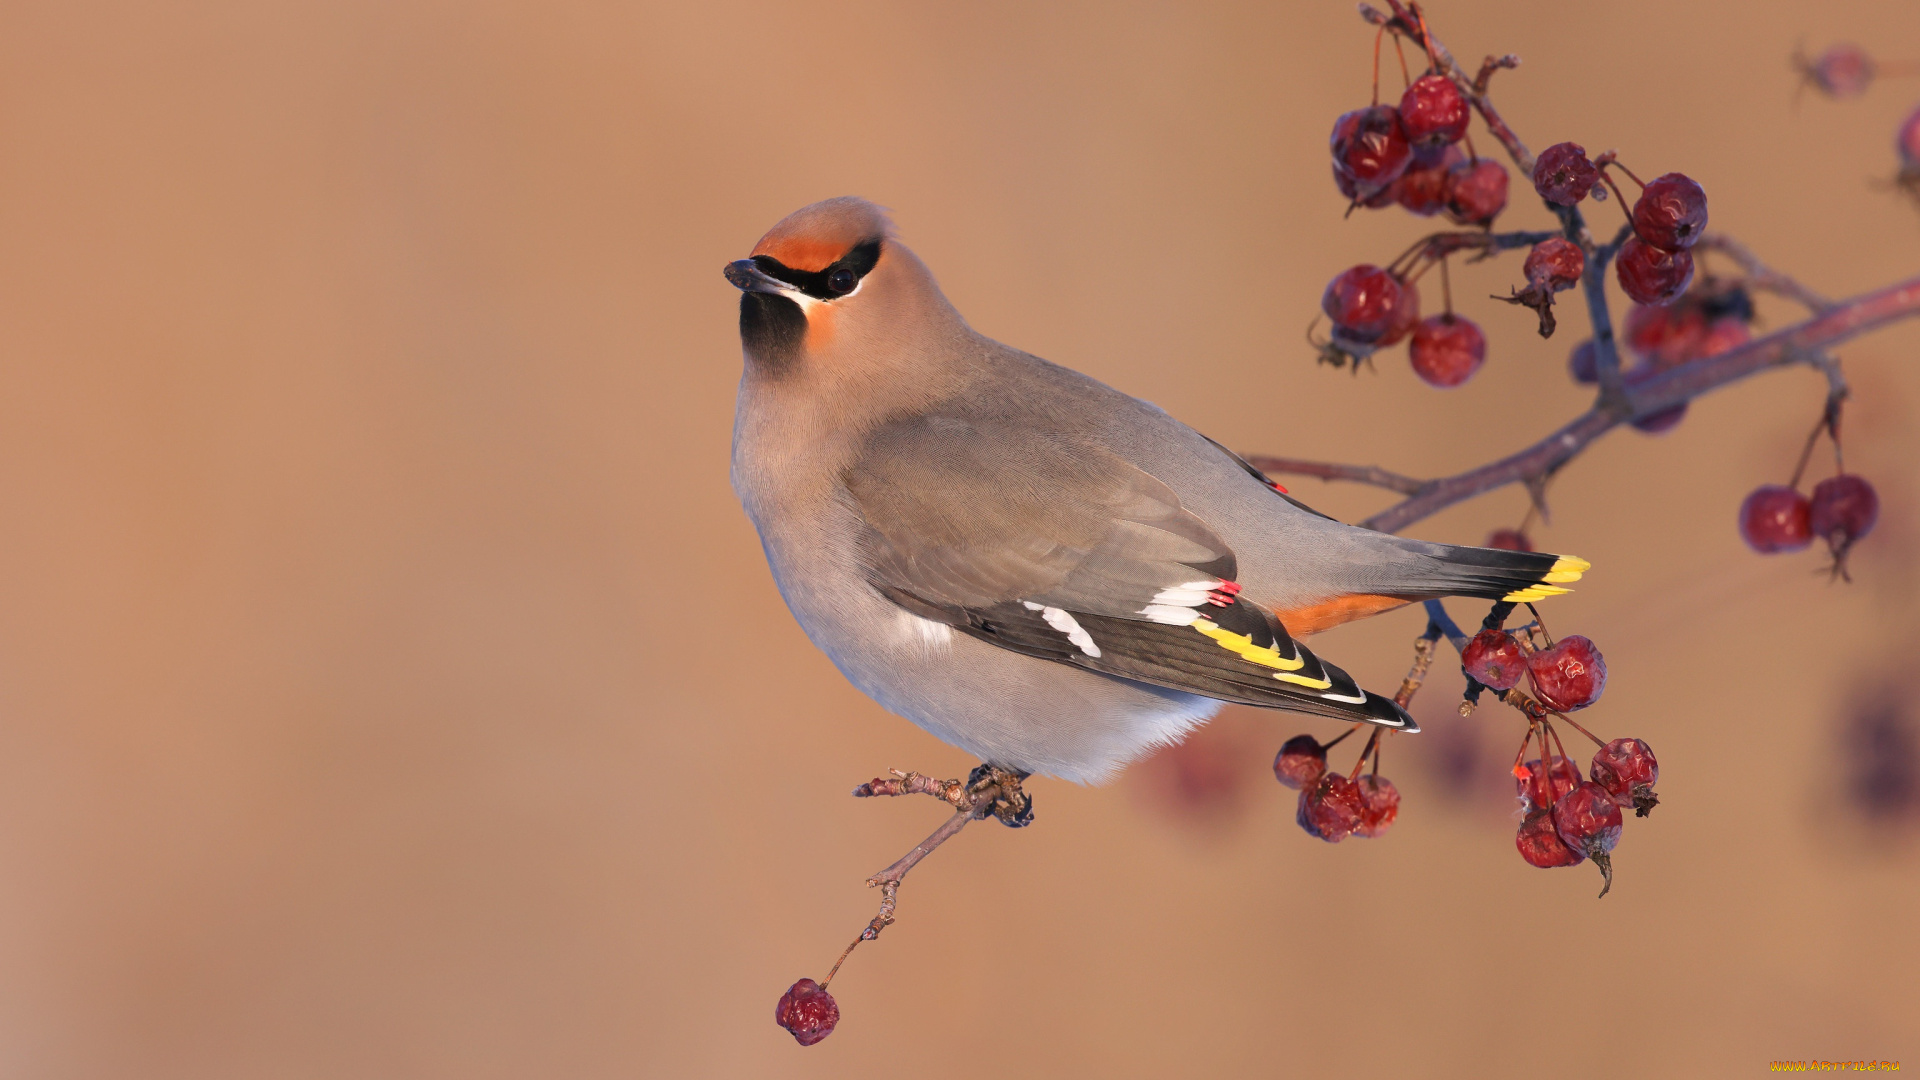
[[842, 281]]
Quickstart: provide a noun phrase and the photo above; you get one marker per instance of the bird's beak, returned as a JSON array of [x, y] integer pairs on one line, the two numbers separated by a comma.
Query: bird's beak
[[750, 278]]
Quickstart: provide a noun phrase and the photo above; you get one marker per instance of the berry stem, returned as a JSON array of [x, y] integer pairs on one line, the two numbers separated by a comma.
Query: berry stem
[[1405, 75], [1542, 624], [1582, 730], [1366, 751], [1556, 739], [1446, 287], [1376, 64], [1340, 738]]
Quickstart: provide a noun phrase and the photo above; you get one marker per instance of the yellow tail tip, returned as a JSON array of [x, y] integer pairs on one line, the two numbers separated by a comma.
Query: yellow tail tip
[[1534, 592]]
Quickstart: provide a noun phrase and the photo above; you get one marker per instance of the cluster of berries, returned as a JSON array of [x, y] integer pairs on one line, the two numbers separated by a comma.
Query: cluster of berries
[[1409, 156], [1706, 321], [1334, 807], [1776, 518]]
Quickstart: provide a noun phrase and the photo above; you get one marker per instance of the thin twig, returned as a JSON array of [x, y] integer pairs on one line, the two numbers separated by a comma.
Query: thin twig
[[1361, 474], [1761, 276]]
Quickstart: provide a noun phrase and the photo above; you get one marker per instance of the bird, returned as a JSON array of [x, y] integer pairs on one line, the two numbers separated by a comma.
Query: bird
[[1032, 566]]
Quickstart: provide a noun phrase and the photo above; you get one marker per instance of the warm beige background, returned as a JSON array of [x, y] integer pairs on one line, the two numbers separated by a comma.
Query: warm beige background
[[391, 687]]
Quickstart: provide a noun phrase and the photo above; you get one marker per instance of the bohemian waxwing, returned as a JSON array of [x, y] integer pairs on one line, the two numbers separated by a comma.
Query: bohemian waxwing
[[1029, 564]]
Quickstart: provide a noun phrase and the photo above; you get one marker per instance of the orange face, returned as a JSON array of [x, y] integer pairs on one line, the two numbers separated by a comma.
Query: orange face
[[802, 252]]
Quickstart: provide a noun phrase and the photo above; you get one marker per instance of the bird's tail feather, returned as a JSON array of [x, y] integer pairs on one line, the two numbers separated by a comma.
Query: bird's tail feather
[[1427, 570]]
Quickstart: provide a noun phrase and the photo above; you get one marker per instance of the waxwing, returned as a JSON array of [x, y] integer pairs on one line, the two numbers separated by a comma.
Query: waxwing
[[1027, 563]]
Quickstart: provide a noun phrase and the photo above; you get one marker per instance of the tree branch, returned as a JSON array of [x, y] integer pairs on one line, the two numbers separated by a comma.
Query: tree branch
[[1760, 276], [1361, 474]]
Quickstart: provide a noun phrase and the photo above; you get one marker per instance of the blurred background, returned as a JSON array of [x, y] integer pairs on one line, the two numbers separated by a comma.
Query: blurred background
[[390, 684]]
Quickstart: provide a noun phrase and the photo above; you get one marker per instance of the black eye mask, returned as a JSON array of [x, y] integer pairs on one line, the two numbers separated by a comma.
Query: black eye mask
[[831, 283]]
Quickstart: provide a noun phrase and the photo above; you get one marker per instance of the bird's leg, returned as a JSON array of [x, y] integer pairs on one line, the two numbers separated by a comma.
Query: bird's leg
[[989, 790]]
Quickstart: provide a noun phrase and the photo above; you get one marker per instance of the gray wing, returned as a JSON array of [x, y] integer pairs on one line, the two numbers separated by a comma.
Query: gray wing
[[1051, 545]]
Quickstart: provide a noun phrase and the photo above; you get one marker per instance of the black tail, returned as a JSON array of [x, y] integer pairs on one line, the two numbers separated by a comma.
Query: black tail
[[1427, 570]]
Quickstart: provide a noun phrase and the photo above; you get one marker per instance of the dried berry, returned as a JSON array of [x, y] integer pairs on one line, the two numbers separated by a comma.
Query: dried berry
[[1300, 762], [1447, 350], [807, 1011], [1775, 519], [1843, 71], [1494, 659], [1649, 275], [1363, 303], [1666, 335], [1844, 509], [1406, 316], [1432, 113], [1563, 175], [1423, 188], [1555, 263], [1569, 675], [1369, 149], [1626, 768], [1379, 805], [1588, 821], [1540, 844], [1476, 191], [1509, 540], [1374, 201], [1330, 808], [1563, 777], [1671, 212]]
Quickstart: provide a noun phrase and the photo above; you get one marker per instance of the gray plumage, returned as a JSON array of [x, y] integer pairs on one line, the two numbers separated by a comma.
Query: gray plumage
[[1002, 550]]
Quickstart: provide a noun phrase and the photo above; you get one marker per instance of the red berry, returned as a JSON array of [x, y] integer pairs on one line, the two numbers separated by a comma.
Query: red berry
[[1649, 275], [1300, 762], [1722, 334], [1664, 336], [1494, 659], [1540, 843], [1775, 519], [1432, 113], [1584, 363], [1564, 777], [1423, 187], [1555, 264], [1563, 175], [1406, 316], [1845, 509], [1330, 808], [1447, 350], [1362, 303], [1627, 770], [807, 1011], [1843, 71], [1379, 805], [1509, 540], [1671, 212], [1476, 191], [1589, 822], [1370, 149], [1570, 675], [1383, 197]]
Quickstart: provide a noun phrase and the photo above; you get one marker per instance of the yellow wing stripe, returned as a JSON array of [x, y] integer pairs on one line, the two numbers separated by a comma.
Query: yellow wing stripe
[[1567, 568], [1316, 684], [1243, 646]]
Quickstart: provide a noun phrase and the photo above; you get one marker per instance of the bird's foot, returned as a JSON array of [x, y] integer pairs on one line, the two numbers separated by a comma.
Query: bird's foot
[[1003, 797]]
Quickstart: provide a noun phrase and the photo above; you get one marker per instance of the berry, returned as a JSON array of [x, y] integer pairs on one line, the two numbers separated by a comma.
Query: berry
[[1775, 519], [1584, 363], [1330, 808], [1844, 510], [1564, 777], [1671, 212], [1722, 334], [807, 1011], [1569, 675], [1423, 188], [1476, 191], [1509, 540], [1447, 350], [1843, 71], [1627, 770], [1379, 805], [1555, 264], [1563, 175], [1362, 302], [1300, 762], [1540, 843], [1432, 113], [1384, 197], [1494, 659], [1406, 316], [1369, 149], [1649, 275], [1664, 336], [1589, 822]]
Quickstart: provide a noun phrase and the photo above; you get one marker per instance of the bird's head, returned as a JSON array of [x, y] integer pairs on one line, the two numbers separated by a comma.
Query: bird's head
[[830, 286]]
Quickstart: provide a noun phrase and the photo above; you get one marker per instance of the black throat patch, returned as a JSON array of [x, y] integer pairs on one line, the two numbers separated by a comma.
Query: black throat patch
[[773, 329]]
